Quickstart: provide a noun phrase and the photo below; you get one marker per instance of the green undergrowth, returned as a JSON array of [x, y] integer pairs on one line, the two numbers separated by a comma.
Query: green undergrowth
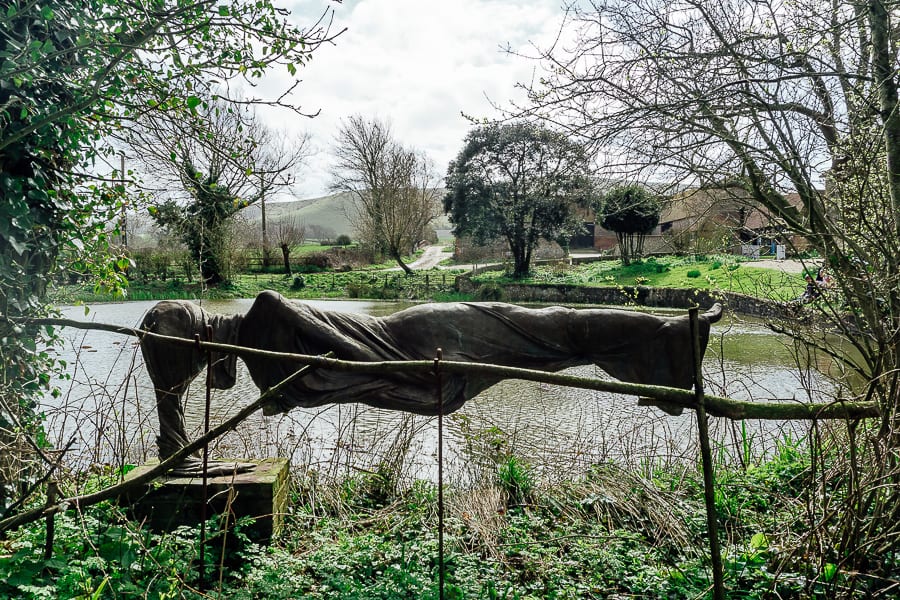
[[708, 273], [609, 534], [371, 284]]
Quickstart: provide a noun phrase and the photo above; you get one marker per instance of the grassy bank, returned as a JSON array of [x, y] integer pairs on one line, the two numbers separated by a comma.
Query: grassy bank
[[376, 284], [609, 534], [708, 273]]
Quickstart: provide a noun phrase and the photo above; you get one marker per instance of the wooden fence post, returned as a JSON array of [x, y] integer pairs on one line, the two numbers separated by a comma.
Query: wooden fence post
[[709, 482]]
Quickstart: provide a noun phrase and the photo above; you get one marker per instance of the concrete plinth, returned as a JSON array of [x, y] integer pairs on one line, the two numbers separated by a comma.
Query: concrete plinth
[[262, 493]]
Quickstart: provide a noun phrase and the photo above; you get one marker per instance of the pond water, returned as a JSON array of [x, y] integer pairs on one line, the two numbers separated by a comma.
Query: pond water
[[108, 408]]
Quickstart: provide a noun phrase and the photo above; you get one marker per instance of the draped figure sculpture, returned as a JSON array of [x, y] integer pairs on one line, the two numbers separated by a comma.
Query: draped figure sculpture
[[631, 346]]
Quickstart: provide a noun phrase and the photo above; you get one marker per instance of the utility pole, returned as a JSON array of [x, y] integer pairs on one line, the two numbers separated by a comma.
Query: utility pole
[[267, 251], [123, 224]]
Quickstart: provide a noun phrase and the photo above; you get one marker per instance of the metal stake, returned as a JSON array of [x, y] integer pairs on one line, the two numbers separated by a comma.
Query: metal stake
[[709, 483], [440, 454], [52, 493], [205, 493]]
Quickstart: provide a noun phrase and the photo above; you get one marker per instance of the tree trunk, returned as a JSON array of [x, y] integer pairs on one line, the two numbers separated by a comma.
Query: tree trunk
[[286, 255], [210, 270], [403, 265], [622, 240], [266, 249], [520, 263], [883, 68]]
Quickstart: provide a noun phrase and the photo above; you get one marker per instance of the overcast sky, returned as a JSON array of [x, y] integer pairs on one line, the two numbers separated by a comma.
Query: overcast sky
[[416, 63]]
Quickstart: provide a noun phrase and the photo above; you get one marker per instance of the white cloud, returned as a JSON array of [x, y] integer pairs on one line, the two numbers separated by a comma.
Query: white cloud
[[417, 63]]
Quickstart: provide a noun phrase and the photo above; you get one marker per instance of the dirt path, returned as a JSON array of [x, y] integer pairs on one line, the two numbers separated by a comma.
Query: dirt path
[[431, 257], [787, 266]]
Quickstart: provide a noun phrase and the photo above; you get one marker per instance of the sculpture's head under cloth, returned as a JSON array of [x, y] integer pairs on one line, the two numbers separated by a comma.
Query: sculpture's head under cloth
[[173, 366]]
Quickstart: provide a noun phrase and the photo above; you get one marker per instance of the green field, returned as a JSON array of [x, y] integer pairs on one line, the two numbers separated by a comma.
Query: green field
[[374, 284], [329, 212]]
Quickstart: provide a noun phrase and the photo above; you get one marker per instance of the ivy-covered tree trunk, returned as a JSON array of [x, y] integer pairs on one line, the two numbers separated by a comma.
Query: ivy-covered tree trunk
[[203, 224]]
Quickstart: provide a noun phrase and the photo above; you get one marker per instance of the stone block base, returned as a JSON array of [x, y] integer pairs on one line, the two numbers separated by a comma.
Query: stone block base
[[261, 493]]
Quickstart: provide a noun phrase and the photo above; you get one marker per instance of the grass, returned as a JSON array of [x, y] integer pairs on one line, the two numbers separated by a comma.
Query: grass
[[375, 284], [712, 273], [306, 248]]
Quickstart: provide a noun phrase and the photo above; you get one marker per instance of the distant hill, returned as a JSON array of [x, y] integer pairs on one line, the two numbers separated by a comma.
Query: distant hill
[[328, 212]]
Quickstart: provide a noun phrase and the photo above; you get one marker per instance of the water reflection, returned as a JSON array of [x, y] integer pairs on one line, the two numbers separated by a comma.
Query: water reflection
[[108, 406]]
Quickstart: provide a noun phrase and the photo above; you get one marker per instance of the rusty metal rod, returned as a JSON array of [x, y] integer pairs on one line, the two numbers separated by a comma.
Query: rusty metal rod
[[709, 479]]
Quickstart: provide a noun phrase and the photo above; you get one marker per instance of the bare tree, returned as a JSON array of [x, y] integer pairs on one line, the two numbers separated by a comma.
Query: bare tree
[[276, 157], [287, 233], [206, 166], [798, 104], [226, 141], [393, 188]]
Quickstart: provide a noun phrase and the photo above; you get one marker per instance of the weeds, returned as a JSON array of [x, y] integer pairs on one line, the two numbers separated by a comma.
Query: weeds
[[373, 534]]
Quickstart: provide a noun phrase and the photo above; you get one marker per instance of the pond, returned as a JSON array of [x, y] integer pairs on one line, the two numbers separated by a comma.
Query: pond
[[108, 407]]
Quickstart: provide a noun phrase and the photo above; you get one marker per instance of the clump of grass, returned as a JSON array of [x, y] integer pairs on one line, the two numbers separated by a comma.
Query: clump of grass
[[516, 479]]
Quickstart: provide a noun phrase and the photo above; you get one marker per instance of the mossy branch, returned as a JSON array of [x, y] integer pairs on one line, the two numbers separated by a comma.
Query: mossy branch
[[786, 409]]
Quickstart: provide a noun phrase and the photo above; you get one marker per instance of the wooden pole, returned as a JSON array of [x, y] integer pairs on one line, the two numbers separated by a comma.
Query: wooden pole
[[440, 458], [709, 482], [205, 478], [52, 492]]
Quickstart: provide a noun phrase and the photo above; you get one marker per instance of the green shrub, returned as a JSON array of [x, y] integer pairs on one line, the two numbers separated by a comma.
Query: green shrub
[[715, 265], [357, 290], [693, 273], [343, 240], [316, 260], [489, 292]]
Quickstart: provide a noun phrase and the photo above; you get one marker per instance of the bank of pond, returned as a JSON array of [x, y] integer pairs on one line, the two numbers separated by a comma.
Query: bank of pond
[[610, 533], [710, 274], [550, 491]]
